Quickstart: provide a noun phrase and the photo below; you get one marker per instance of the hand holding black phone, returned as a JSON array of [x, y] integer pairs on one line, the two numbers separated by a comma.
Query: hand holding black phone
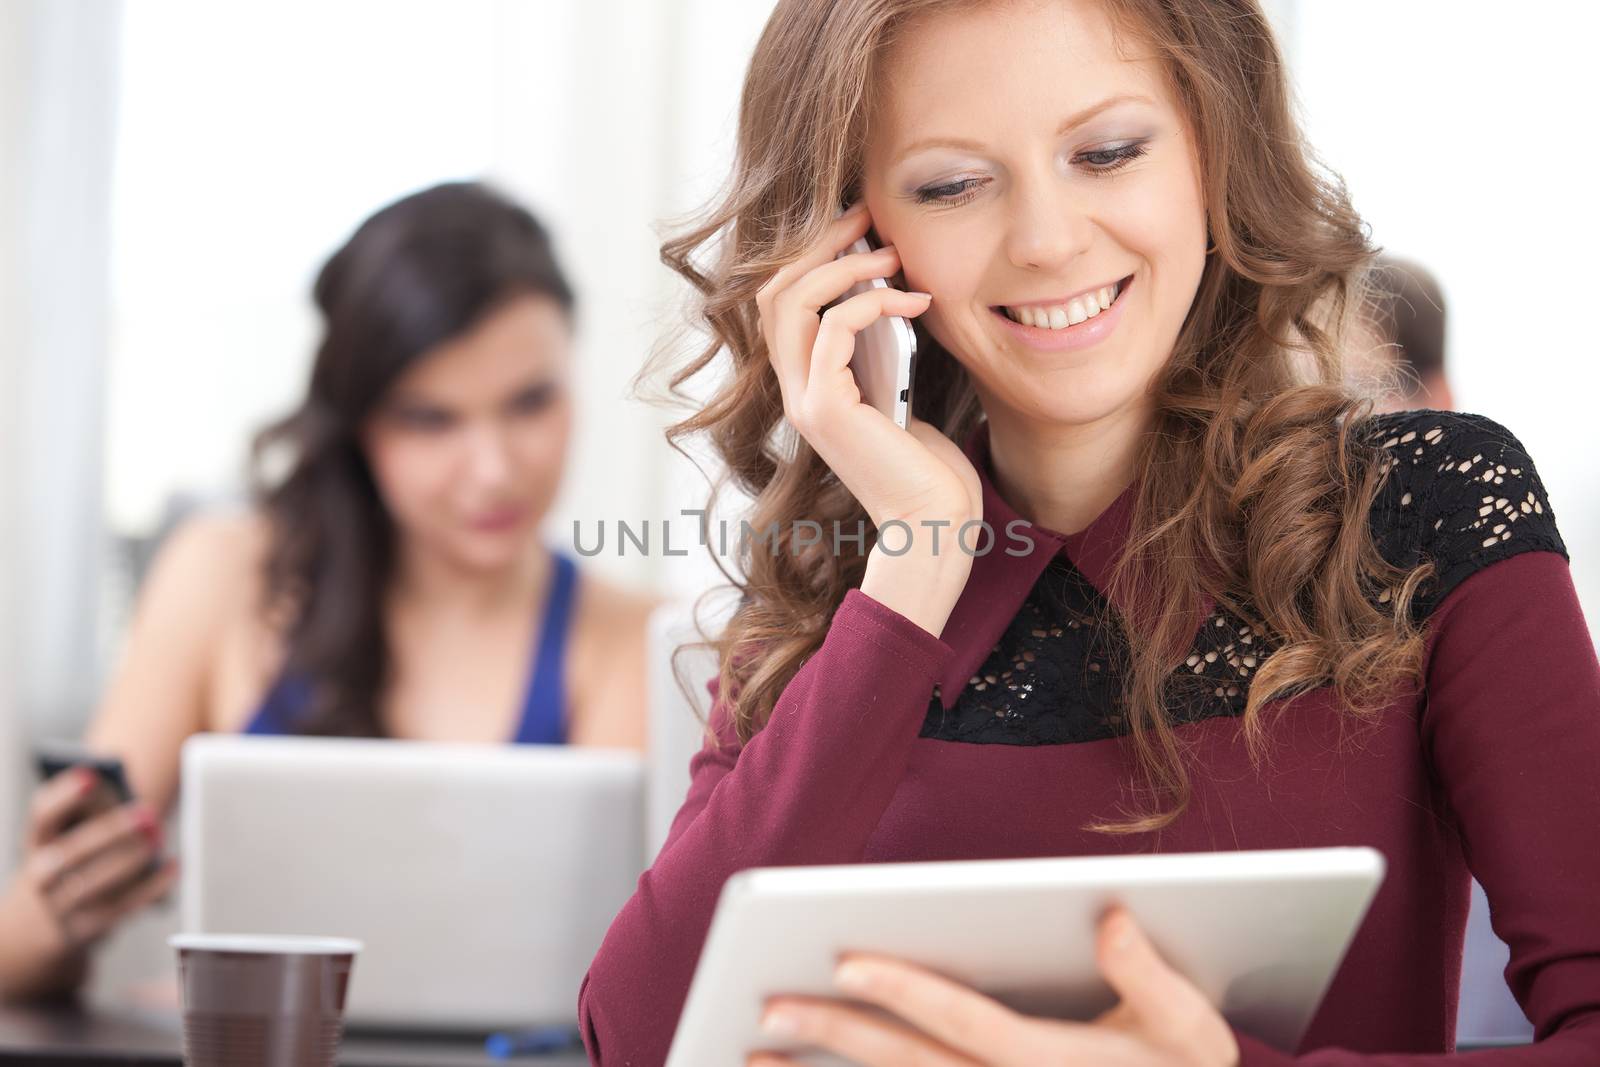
[[54, 757], [111, 790]]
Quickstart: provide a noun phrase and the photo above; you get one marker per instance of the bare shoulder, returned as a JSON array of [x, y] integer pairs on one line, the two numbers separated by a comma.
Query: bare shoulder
[[608, 661], [188, 607], [222, 536], [212, 558]]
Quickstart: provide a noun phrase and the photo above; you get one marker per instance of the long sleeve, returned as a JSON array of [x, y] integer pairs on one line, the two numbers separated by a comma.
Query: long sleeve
[[809, 788], [1512, 730]]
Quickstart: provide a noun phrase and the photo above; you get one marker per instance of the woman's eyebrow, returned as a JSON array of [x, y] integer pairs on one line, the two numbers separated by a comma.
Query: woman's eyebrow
[[400, 401], [1073, 122]]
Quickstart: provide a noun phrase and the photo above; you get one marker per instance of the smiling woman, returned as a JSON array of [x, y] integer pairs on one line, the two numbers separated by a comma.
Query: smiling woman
[[1252, 613], [392, 579]]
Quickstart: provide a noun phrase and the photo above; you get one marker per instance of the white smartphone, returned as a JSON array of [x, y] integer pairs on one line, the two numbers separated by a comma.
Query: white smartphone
[[886, 354]]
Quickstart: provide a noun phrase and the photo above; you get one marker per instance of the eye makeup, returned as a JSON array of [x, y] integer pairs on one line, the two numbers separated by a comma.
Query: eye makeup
[[1095, 161]]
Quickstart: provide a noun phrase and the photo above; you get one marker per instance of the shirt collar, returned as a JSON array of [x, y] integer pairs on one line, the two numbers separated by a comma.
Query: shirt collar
[[1018, 554]]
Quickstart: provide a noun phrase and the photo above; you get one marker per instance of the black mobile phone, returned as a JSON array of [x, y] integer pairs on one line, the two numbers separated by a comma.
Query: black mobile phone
[[53, 757]]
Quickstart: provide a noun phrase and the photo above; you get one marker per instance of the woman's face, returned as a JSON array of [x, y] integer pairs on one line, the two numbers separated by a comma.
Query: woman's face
[[468, 444], [1010, 190]]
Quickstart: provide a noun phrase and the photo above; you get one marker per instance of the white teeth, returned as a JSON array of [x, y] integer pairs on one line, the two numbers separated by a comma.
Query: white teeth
[[1060, 316]]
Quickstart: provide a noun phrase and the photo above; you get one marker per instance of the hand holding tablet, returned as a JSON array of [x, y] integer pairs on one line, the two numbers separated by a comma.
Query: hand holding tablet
[[1249, 938], [1160, 1017]]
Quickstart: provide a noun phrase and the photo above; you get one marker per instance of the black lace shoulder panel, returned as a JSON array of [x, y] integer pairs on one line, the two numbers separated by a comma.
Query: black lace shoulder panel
[[1458, 490]]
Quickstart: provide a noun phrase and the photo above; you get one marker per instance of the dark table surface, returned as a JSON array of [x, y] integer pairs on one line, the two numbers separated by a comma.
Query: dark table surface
[[92, 1036], [75, 1034]]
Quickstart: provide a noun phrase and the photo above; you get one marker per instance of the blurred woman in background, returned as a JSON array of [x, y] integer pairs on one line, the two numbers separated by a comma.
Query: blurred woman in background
[[391, 579]]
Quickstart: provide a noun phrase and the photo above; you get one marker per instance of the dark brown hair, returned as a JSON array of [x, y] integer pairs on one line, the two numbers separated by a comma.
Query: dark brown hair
[[418, 273]]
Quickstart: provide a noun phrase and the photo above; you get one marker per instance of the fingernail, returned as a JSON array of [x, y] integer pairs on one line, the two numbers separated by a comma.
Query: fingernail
[[914, 292], [87, 780], [148, 824], [780, 1022], [888, 248], [853, 977]]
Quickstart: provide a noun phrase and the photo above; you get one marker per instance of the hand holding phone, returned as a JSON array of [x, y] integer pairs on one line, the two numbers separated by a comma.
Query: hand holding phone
[[92, 854], [885, 360], [111, 789], [916, 476]]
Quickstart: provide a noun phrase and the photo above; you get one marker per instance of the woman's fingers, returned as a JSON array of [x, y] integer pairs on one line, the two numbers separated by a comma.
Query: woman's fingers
[[1159, 1004], [100, 834], [863, 1037], [1133, 967], [790, 301], [830, 379], [953, 1014], [89, 924], [795, 313], [841, 233], [104, 876], [888, 472], [64, 797], [825, 284]]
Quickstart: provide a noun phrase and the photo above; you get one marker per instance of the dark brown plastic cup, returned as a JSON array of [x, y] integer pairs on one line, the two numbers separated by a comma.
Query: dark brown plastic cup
[[263, 1000]]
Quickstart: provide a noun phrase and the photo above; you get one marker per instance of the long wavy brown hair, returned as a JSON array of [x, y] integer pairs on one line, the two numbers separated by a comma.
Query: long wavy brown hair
[[1255, 484]]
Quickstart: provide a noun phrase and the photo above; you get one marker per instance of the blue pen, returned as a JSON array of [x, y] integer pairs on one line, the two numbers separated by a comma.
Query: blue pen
[[504, 1046]]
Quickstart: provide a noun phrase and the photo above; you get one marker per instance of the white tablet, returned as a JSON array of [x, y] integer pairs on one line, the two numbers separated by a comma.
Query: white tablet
[[1260, 933]]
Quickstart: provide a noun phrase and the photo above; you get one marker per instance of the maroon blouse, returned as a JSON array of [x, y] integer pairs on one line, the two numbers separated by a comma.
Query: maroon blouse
[[1001, 740]]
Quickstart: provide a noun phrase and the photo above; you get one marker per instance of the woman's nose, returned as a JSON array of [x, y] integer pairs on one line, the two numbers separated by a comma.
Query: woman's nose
[[1048, 227], [488, 456]]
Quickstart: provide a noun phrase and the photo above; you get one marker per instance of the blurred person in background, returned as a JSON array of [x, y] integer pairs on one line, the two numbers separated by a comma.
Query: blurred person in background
[[1406, 317], [390, 581]]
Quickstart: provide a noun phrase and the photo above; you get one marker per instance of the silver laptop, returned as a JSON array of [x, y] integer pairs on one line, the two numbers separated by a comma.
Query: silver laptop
[[481, 878]]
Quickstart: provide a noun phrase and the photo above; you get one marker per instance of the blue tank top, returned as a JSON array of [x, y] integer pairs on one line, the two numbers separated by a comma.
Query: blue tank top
[[543, 719]]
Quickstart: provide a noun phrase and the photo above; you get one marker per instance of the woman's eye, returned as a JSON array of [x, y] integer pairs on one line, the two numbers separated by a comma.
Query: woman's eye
[[951, 192], [422, 419], [533, 400], [1105, 160]]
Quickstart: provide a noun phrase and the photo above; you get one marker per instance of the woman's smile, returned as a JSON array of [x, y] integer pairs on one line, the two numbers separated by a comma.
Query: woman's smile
[[1066, 325]]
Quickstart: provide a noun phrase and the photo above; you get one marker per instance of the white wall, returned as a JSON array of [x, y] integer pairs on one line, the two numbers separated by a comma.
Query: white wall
[[12, 764], [1466, 135], [57, 96], [604, 115]]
